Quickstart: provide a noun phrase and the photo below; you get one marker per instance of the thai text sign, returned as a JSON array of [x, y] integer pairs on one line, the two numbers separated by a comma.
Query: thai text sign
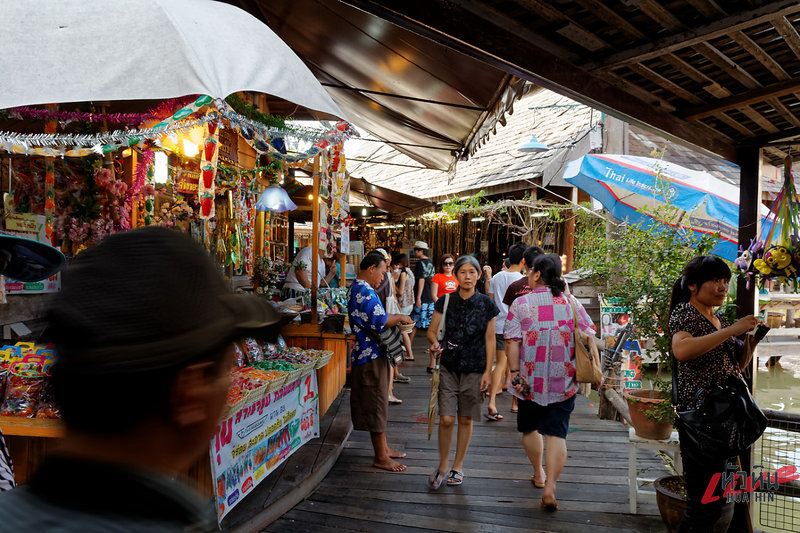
[[254, 440], [30, 226]]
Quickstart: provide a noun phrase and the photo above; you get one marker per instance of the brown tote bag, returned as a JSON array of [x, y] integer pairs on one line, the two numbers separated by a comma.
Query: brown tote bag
[[587, 357]]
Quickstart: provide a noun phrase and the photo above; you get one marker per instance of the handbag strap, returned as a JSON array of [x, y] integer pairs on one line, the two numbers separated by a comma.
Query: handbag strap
[[674, 379], [444, 314], [575, 326]]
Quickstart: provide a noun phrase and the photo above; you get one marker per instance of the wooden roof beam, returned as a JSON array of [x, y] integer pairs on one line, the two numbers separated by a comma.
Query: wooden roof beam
[[758, 119], [727, 65], [789, 34], [660, 14], [570, 29], [666, 84], [757, 52], [612, 18], [784, 112], [740, 100], [463, 25], [692, 36], [764, 140], [708, 8], [710, 86]]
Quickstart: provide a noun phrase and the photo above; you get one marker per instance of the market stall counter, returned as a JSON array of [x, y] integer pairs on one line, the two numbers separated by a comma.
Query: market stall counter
[[331, 377], [274, 408]]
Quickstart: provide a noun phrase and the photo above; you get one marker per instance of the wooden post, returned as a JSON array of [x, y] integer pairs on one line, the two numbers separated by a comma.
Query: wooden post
[[129, 171], [749, 159], [315, 240], [258, 241], [569, 233]]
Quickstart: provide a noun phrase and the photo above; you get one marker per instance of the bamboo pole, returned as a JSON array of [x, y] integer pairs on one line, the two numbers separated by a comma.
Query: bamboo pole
[[315, 240]]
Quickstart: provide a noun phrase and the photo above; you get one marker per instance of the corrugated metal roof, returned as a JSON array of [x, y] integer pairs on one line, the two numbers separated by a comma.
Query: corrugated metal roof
[[556, 120]]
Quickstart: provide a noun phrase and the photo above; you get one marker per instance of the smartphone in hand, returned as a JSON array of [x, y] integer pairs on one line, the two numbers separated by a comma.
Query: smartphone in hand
[[761, 332]]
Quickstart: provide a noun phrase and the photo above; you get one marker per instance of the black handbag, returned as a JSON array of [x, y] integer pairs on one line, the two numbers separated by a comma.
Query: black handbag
[[725, 420], [390, 342]]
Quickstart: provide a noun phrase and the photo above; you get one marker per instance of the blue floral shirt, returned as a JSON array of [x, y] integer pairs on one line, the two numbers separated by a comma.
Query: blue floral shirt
[[366, 311]]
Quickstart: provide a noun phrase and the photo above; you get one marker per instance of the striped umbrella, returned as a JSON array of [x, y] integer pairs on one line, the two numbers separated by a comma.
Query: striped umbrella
[[632, 187]]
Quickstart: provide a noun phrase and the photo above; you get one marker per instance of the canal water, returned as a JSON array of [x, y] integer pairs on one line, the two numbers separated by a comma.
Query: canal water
[[778, 388]]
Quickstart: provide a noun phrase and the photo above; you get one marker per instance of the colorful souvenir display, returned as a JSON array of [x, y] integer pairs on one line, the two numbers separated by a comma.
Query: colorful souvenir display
[[261, 364], [775, 254], [25, 372]]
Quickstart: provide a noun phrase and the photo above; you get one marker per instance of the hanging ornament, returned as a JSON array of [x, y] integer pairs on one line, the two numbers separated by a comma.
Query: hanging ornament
[[776, 252], [208, 169]]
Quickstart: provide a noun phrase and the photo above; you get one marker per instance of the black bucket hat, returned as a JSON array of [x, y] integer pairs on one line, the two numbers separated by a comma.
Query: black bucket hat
[[148, 299], [27, 260]]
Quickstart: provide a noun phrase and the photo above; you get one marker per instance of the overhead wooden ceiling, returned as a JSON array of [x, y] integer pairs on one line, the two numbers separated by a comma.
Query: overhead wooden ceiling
[[720, 75]]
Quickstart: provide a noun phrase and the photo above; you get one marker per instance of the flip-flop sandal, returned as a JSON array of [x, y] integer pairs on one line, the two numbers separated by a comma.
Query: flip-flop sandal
[[515, 411], [536, 483], [437, 479], [496, 417], [455, 478], [430, 370]]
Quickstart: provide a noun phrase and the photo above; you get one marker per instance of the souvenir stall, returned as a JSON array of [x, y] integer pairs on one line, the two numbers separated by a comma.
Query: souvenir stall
[[199, 166], [328, 306]]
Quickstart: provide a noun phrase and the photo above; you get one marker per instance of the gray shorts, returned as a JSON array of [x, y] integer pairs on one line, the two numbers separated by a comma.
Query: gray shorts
[[460, 394], [500, 342]]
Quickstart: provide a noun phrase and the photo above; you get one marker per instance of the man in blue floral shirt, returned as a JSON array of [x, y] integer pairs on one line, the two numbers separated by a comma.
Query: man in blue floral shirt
[[370, 369]]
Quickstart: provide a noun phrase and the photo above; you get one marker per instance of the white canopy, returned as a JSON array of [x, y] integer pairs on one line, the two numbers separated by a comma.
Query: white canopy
[[56, 51]]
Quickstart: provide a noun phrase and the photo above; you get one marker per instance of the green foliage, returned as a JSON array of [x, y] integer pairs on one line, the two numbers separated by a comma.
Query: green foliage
[[639, 265], [267, 272], [454, 206], [253, 113], [87, 207], [590, 232]]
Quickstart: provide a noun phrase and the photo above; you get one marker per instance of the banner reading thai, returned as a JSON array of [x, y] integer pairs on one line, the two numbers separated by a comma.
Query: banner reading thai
[[254, 440]]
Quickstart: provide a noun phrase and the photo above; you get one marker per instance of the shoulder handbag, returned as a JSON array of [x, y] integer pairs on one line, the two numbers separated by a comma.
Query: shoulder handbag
[[725, 420], [390, 342], [440, 329], [587, 356]]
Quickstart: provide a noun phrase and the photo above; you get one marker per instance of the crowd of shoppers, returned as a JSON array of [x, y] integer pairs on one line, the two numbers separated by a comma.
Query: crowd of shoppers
[[514, 331]]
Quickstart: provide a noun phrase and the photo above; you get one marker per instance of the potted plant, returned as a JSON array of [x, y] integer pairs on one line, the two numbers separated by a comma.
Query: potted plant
[[268, 274], [638, 265], [671, 499]]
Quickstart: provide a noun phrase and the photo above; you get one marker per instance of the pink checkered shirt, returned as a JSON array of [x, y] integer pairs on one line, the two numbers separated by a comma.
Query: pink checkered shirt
[[543, 325]]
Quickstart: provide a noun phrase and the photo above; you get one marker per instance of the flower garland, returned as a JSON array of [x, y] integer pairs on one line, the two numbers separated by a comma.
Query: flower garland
[[167, 107], [65, 117], [261, 137]]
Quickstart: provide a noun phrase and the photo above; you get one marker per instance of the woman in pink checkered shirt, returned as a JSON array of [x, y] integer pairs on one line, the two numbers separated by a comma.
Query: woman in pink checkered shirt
[[540, 346]]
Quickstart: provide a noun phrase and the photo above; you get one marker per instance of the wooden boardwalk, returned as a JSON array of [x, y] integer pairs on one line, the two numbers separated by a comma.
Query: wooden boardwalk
[[497, 494]]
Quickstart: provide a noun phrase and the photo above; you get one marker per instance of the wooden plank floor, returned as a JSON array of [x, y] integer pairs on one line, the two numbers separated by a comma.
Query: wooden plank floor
[[497, 494]]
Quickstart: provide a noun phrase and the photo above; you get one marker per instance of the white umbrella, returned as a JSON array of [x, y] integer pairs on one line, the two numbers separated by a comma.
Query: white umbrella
[[95, 50]]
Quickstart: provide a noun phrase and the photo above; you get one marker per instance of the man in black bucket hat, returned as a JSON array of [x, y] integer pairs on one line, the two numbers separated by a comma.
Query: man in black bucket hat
[[143, 330]]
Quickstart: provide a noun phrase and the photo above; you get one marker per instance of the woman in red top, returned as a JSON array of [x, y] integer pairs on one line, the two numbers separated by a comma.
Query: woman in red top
[[444, 281]]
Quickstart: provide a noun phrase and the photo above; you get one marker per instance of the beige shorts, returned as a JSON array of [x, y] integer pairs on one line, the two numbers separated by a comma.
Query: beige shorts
[[460, 394], [369, 395]]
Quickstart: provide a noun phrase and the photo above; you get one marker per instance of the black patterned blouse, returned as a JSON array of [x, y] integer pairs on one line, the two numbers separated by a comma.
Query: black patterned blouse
[[712, 367], [465, 331]]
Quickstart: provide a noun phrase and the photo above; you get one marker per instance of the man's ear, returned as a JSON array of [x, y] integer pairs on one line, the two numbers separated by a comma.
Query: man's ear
[[190, 394]]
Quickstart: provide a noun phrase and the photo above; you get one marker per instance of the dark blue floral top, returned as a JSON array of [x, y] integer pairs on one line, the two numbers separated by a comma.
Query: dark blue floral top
[[365, 311]]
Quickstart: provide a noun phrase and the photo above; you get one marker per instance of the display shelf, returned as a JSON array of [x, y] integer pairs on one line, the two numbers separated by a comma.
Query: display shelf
[[31, 427]]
